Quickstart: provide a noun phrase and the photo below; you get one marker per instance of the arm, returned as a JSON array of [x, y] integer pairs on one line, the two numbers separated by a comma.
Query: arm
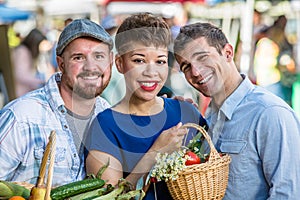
[[96, 159], [169, 140], [8, 145], [279, 150], [24, 69]]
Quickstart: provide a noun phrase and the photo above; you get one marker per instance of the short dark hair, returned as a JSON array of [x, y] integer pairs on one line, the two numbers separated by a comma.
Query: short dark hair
[[213, 35], [144, 28], [33, 40]]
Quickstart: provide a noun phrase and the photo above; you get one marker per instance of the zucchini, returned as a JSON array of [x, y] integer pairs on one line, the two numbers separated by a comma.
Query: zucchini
[[78, 187], [74, 188]]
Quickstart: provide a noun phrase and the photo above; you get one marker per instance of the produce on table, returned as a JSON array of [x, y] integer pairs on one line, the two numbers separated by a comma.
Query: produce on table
[[74, 188], [96, 189], [78, 187], [92, 188], [10, 189], [94, 193], [123, 191], [38, 193], [16, 198]]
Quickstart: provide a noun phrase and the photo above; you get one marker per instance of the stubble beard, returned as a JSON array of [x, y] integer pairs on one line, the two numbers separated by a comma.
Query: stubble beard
[[90, 91]]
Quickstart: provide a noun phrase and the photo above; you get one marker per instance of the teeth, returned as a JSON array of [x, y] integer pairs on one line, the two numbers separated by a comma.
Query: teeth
[[147, 84], [90, 77], [205, 79]]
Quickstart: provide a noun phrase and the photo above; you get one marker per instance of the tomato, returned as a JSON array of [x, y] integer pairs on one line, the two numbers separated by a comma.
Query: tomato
[[193, 158]]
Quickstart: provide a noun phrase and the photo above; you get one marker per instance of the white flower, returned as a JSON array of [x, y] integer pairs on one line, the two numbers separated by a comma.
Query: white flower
[[168, 166]]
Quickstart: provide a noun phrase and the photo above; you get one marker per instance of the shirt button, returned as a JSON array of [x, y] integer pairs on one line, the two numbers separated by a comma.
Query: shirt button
[[74, 155], [62, 111], [65, 126]]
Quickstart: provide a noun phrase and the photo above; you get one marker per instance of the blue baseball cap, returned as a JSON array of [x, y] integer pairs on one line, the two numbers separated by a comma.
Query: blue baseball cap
[[80, 28]]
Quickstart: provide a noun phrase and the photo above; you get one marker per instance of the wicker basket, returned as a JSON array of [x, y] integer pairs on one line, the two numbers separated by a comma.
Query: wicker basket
[[202, 181]]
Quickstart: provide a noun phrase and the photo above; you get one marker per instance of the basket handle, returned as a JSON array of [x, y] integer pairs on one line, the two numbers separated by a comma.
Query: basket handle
[[214, 155]]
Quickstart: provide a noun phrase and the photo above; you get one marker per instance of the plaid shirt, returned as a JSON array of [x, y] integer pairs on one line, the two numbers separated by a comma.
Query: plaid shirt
[[25, 126]]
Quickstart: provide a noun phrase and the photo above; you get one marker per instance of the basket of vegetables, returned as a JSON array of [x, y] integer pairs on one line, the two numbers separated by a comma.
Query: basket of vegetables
[[190, 174]]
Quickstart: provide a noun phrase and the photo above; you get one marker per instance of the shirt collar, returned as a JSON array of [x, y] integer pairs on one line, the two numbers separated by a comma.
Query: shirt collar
[[231, 103], [52, 91]]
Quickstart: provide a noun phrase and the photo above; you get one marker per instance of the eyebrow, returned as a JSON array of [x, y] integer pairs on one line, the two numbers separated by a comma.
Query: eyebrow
[[76, 54], [199, 53], [185, 62], [139, 54]]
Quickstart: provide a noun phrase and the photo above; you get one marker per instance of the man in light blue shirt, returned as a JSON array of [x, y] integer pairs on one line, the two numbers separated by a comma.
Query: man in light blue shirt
[[67, 104], [258, 129]]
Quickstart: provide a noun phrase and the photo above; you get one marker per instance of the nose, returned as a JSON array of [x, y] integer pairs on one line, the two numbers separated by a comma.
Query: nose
[[92, 64], [195, 70], [150, 69]]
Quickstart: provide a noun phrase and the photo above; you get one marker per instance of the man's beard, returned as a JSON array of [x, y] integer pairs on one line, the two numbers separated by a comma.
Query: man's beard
[[86, 92], [89, 92]]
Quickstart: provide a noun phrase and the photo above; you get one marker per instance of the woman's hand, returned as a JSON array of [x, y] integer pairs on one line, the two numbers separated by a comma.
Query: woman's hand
[[170, 140]]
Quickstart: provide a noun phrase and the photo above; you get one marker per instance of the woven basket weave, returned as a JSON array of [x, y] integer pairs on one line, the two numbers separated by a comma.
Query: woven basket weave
[[202, 181]]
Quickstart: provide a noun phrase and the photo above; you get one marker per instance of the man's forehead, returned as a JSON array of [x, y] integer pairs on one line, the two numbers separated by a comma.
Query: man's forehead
[[199, 45]]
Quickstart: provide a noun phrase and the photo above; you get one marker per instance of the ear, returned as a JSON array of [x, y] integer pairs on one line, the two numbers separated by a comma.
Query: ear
[[60, 63], [111, 58], [228, 52], [119, 63]]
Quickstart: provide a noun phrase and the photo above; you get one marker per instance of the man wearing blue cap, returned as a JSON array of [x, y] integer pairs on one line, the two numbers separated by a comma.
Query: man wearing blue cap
[[66, 104]]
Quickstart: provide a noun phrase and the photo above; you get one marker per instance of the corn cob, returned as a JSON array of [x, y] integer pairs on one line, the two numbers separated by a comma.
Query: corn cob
[[9, 189]]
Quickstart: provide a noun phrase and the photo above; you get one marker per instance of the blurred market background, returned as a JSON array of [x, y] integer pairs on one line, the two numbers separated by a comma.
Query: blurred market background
[[244, 21]]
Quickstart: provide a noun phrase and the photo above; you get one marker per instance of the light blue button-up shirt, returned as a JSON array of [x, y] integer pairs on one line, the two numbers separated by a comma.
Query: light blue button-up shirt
[[25, 126], [262, 135]]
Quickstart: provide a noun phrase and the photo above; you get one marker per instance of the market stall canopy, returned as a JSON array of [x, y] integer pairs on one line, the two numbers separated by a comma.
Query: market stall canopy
[[10, 14]]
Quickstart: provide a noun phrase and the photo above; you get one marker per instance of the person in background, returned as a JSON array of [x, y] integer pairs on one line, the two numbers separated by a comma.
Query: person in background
[[25, 59], [259, 28], [54, 41], [132, 132], [68, 21], [274, 63], [109, 23], [115, 90], [66, 104], [257, 129]]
